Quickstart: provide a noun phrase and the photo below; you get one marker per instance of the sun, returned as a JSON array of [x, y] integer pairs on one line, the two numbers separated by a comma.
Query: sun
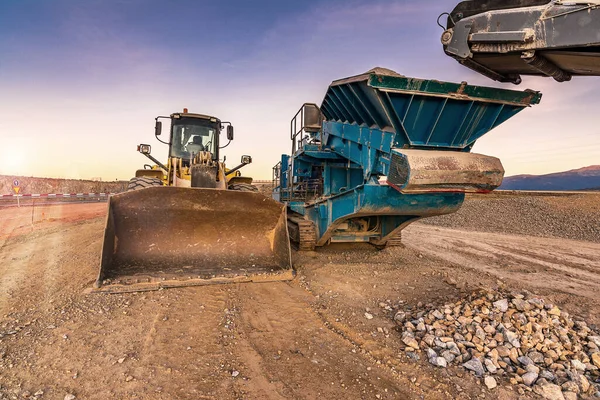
[[12, 160]]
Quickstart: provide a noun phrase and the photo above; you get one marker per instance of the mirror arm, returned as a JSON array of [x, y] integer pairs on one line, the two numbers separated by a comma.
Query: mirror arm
[[235, 169], [156, 162]]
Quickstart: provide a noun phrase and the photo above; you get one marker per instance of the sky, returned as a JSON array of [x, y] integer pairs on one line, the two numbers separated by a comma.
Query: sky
[[82, 81]]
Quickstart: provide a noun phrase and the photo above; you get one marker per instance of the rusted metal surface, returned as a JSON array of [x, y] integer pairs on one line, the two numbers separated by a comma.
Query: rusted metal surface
[[187, 236], [422, 171]]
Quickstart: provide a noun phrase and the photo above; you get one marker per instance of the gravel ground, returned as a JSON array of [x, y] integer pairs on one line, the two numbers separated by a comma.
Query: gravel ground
[[538, 346], [565, 216], [329, 334]]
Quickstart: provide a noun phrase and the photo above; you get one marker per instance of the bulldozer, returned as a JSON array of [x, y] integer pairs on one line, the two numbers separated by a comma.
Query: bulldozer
[[192, 221]]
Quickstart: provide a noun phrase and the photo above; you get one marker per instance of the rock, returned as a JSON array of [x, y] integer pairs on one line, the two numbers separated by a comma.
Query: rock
[[590, 367], [570, 396], [554, 311], [429, 339], [596, 359], [475, 365], [431, 355], [368, 316], [489, 329], [129, 378], [235, 373], [578, 365], [121, 360], [538, 303], [400, 316], [546, 375], [524, 360], [437, 314], [70, 396], [409, 340], [441, 362], [493, 355], [503, 351], [513, 355], [549, 391], [448, 356], [532, 368], [453, 348], [512, 338], [594, 339], [490, 382], [39, 393], [451, 281], [489, 365], [582, 382], [519, 304], [536, 357], [570, 386], [529, 378], [480, 333]]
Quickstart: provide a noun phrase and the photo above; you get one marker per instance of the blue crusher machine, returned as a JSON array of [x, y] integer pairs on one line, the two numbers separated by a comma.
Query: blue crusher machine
[[384, 150]]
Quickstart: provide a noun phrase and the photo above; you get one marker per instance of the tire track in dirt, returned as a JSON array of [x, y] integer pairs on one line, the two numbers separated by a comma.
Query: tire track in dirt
[[277, 321], [486, 250], [545, 265]]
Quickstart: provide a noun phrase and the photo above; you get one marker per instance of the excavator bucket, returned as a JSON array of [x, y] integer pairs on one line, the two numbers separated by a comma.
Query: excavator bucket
[[161, 237]]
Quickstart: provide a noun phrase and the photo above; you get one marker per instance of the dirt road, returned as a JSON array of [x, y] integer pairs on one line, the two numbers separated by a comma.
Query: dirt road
[[307, 339]]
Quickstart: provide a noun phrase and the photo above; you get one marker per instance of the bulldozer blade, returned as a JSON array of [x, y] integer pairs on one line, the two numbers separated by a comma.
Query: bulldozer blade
[[162, 237]]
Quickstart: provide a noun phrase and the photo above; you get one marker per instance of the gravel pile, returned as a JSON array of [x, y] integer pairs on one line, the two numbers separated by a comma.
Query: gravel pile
[[508, 337], [571, 217]]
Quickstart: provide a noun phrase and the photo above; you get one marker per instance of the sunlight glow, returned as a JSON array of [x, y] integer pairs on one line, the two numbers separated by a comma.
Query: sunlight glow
[[12, 160]]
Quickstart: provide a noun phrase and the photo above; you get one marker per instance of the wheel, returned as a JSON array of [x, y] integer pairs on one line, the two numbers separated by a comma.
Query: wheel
[[143, 182], [243, 187]]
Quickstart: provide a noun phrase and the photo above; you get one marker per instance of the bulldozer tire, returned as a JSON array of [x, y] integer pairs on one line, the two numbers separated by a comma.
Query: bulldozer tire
[[243, 187], [143, 182]]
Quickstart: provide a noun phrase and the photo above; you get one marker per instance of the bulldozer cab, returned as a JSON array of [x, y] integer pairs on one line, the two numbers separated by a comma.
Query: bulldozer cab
[[193, 133]]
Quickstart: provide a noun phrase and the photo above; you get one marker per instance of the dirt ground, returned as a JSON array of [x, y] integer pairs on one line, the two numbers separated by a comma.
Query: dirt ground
[[305, 339]]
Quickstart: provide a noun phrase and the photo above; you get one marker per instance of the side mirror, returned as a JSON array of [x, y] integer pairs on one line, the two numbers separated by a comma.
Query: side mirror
[[229, 132], [144, 148], [246, 159], [158, 128]]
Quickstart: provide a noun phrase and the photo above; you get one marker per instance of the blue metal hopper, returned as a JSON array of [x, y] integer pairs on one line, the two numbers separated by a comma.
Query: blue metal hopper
[[423, 113]]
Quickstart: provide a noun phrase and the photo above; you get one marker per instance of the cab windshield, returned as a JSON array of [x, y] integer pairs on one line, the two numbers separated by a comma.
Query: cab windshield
[[191, 136]]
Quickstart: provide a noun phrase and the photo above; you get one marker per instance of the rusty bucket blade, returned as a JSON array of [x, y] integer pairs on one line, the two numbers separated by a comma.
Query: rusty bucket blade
[[162, 237]]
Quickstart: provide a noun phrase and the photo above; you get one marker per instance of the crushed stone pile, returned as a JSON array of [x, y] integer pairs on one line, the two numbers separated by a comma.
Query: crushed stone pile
[[543, 216], [511, 337]]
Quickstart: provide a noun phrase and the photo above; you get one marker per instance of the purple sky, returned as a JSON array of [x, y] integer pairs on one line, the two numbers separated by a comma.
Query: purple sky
[[82, 81]]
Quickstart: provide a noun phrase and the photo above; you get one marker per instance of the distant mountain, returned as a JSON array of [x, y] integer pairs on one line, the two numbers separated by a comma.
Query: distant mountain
[[587, 178]]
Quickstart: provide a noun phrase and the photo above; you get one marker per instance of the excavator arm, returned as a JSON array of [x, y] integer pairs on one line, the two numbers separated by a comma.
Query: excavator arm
[[504, 39]]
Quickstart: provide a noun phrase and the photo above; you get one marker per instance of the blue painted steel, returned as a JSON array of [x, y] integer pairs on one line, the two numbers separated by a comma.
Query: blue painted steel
[[382, 202], [425, 113], [333, 179]]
